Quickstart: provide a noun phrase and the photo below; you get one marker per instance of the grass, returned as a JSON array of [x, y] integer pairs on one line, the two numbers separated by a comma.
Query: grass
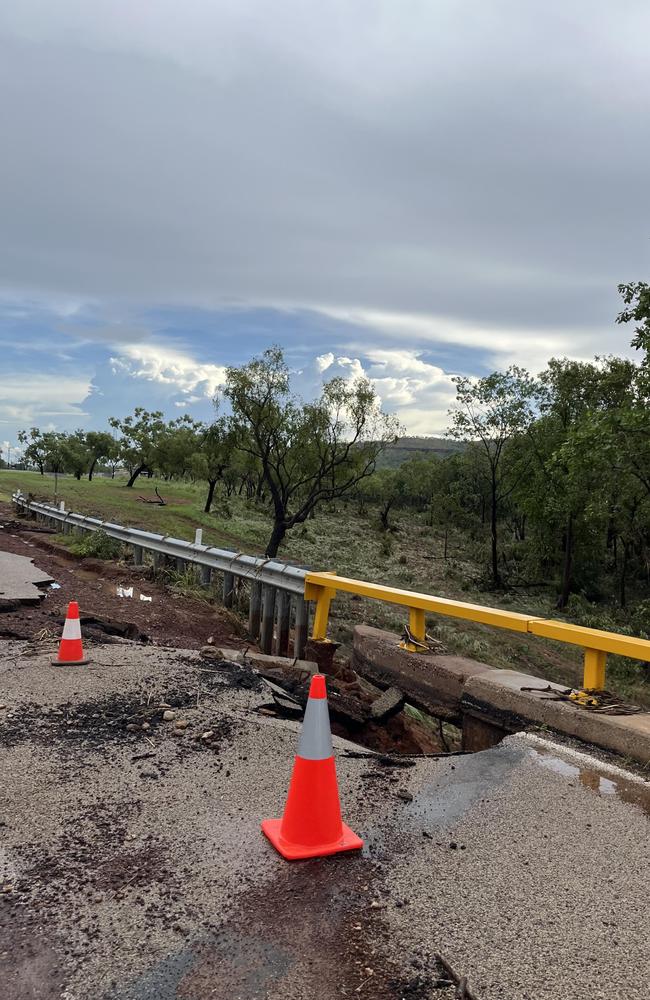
[[341, 538]]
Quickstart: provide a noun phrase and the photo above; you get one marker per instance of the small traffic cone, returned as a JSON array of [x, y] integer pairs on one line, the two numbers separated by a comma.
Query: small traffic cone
[[70, 648], [311, 826]]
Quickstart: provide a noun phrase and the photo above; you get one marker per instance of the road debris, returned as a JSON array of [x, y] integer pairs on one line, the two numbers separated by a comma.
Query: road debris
[[463, 991], [601, 702]]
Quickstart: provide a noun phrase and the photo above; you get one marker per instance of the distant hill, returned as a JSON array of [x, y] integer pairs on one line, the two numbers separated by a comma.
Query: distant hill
[[416, 447]]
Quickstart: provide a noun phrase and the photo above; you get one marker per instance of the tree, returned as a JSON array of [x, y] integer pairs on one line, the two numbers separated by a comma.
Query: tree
[[102, 447], [214, 455], [75, 453], [34, 449], [419, 478], [492, 411], [175, 444], [636, 298], [388, 488], [308, 452], [140, 436]]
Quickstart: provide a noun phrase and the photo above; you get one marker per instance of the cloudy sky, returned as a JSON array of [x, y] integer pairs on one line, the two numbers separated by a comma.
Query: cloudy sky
[[411, 189]]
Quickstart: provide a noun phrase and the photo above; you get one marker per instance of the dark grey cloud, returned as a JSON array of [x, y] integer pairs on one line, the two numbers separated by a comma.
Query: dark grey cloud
[[485, 163]]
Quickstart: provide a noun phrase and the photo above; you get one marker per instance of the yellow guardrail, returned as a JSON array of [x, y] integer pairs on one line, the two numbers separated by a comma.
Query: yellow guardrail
[[322, 588]]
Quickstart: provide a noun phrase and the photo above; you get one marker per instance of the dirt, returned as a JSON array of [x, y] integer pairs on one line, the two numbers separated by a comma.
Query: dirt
[[101, 722], [169, 619], [311, 924]]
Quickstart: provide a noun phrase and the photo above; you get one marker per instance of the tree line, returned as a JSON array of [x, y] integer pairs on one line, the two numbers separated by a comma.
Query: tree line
[[552, 483], [554, 478]]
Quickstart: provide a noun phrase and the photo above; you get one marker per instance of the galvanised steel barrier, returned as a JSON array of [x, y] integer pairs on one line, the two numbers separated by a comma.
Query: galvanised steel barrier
[[276, 597], [322, 588]]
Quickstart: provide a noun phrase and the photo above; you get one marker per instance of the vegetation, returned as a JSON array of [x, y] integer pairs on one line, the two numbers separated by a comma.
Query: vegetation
[[308, 453], [542, 495]]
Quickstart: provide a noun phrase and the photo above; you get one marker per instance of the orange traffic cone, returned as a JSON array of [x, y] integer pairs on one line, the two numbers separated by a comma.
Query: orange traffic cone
[[311, 826], [70, 648]]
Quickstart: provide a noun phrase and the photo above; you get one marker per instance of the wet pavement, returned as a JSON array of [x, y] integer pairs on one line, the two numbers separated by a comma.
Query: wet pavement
[[132, 865]]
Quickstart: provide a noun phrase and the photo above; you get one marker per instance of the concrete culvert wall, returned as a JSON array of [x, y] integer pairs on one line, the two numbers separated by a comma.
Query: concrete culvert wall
[[489, 703]]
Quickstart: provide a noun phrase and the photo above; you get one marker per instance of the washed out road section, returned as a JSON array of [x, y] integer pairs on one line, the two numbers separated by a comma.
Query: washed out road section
[[134, 868], [168, 619]]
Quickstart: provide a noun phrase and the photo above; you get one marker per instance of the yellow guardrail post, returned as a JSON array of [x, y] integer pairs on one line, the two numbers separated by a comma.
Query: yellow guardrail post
[[322, 596], [594, 671], [418, 632]]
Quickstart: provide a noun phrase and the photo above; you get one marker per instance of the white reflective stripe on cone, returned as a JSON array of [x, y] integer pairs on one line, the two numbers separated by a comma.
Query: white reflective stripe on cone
[[72, 629], [316, 736]]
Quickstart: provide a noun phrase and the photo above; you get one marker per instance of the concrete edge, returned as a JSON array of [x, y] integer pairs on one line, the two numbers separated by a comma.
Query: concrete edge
[[497, 699]]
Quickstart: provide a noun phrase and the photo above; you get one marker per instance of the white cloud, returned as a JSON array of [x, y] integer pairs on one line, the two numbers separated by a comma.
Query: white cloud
[[27, 398], [324, 361], [529, 347], [420, 393], [166, 365]]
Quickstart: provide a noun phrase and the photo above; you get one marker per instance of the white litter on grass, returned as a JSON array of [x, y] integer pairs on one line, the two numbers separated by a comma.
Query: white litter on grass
[[55, 586], [143, 597], [125, 591]]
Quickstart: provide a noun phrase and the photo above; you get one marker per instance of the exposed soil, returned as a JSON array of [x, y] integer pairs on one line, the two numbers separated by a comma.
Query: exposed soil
[[314, 923], [169, 619]]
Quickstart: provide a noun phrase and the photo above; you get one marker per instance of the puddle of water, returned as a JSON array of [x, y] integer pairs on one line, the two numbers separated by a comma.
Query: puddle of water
[[637, 793], [455, 789]]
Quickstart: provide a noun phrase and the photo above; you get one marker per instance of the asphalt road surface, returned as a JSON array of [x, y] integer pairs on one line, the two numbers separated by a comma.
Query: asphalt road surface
[[132, 865]]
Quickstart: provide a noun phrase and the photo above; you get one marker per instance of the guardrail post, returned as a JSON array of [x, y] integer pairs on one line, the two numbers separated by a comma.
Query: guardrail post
[[255, 610], [418, 630], [301, 627], [198, 536], [284, 612], [137, 555], [268, 616], [594, 670], [323, 598], [206, 576], [228, 589]]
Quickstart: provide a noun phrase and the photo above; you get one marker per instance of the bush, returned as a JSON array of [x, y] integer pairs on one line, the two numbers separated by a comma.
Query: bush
[[97, 545], [640, 619]]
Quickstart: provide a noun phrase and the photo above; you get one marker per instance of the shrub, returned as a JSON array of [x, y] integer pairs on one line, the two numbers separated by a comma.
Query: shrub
[[97, 545]]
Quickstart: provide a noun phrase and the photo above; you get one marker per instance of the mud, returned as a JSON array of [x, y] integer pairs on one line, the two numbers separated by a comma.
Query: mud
[[314, 923], [170, 619]]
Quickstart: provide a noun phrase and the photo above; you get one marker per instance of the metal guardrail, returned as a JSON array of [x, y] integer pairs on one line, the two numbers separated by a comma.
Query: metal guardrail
[[276, 588], [322, 588], [279, 590]]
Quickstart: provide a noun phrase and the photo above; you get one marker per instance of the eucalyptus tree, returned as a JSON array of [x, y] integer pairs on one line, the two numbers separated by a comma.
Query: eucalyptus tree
[[491, 412], [308, 452]]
